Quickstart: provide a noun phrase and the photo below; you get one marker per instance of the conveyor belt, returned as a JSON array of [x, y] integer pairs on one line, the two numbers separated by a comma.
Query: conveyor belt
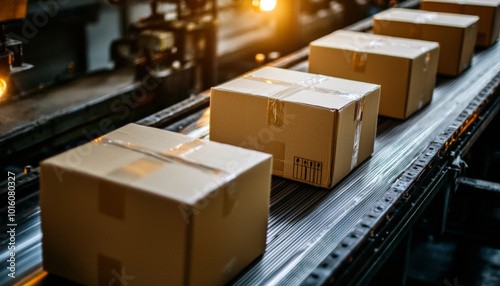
[[307, 223]]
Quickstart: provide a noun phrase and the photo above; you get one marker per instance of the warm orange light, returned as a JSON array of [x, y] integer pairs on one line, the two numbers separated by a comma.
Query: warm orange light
[[260, 58], [31, 281], [268, 5], [3, 87], [265, 5]]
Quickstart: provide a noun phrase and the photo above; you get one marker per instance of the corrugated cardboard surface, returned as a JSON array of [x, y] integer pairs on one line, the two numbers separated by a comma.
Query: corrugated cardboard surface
[[13, 9], [315, 139], [456, 34], [390, 62], [105, 207], [487, 10]]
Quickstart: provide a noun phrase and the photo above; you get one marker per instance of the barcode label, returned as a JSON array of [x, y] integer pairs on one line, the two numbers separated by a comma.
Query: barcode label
[[307, 170]]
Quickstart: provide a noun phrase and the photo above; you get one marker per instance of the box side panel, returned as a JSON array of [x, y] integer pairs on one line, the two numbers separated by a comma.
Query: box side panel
[[423, 71], [449, 39], [240, 119], [440, 7], [486, 22], [378, 69], [156, 231], [65, 203], [496, 26], [344, 142], [230, 226], [369, 125], [432, 69], [234, 115], [467, 52], [86, 241], [308, 143]]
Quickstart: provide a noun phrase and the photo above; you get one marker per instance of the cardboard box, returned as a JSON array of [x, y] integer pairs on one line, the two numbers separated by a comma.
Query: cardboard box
[[405, 68], [456, 34], [155, 208], [487, 10], [317, 128], [13, 9]]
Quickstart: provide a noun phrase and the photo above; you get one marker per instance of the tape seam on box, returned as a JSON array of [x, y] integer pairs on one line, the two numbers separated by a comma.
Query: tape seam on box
[[275, 109], [278, 157], [360, 54], [372, 44], [359, 60], [111, 196], [358, 118]]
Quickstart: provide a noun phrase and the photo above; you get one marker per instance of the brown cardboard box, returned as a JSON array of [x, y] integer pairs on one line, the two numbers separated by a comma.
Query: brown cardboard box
[[456, 34], [13, 9], [317, 128], [487, 10], [405, 69], [154, 208]]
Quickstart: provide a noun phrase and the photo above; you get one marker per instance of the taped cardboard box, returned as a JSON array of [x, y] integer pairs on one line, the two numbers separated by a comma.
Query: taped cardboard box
[[405, 68], [456, 34], [487, 10], [13, 9], [155, 208], [317, 128]]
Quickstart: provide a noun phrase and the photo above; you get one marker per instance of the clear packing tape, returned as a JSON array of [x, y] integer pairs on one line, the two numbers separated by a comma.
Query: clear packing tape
[[360, 54], [276, 107], [366, 45], [416, 31], [111, 197]]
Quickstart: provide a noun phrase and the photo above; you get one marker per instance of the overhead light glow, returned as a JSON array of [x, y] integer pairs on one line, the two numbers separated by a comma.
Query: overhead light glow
[[3, 87], [267, 5]]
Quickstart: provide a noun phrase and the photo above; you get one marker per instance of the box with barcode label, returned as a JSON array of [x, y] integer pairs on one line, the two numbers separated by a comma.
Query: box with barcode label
[[405, 68], [317, 128], [144, 206]]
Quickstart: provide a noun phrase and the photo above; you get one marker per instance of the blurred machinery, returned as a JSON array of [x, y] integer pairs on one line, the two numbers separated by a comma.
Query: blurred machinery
[[11, 50], [181, 37]]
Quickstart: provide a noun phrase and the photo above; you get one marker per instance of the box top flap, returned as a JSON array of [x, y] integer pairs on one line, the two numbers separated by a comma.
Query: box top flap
[[320, 99], [489, 3], [299, 87], [348, 86], [173, 165], [375, 44], [427, 17]]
